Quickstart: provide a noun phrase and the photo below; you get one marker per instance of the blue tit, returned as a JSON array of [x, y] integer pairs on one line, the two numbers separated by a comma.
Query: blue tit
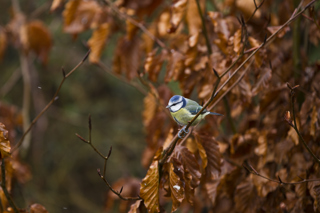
[[183, 111]]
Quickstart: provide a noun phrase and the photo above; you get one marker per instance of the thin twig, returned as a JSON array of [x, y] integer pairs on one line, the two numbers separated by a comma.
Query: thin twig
[[253, 171], [4, 188], [65, 76], [204, 28], [294, 125], [105, 158], [255, 10]]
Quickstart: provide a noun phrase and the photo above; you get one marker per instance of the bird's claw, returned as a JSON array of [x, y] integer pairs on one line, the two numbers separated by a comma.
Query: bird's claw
[[183, 132]]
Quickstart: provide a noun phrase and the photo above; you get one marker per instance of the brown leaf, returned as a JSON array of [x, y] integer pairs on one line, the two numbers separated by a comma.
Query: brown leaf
[[314, 119], [314, 190], [237, 43], [175, 65], [264, 77], [248, 7], [56, 4], [246, 197], [3, 43], [262, 148], [293, 136], [149, 190], [36, 37], [126, 58], [176, 188], [98, 41], [203, 154], [194, 20], [150, 108], [211, 147], [189, 162], [37, 208], [178, 9], [153, 64], [4, 142], [136, 206], [79, 14]]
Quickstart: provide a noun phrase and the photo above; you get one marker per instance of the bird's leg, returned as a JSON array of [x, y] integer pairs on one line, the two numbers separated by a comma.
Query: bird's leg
[[182, 133]]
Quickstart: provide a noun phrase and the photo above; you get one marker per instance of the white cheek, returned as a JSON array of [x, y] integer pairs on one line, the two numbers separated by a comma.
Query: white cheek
[[176, 107]]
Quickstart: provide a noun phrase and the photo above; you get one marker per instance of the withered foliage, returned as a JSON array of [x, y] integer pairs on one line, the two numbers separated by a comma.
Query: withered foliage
[[262, 155]]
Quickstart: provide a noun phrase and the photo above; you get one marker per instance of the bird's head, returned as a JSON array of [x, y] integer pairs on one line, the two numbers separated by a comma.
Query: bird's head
[[176, 103]]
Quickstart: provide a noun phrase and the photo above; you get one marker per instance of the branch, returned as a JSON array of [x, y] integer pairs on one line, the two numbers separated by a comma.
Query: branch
[[294, 125], [102, 176], [4, 188], [253, 171], [214, 93], [55, 97], [204, 28]]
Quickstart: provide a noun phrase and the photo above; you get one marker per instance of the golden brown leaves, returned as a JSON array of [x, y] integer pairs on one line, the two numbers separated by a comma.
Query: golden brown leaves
[[176, 188], [153, 64], [149, 190], [178, 9], [4, 142], [98, 41], [35, 37], [246, 198], [56, 4]]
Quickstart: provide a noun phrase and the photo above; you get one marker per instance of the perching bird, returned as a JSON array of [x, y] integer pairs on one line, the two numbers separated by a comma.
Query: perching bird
[[183, 111]]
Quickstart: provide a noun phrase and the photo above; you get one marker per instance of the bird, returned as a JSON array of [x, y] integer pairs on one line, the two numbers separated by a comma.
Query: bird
[[183, 110]]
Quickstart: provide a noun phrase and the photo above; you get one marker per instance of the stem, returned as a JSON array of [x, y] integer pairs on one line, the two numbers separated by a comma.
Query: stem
[[204, 28], [4, 188]]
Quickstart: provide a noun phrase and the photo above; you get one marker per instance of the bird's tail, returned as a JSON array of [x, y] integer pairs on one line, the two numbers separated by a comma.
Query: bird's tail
[[214, 113]]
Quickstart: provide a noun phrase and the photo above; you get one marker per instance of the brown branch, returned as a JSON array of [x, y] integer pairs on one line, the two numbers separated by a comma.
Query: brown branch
[[105, 158], [294, 125], [204, 28], [55, 96], [4, 188], [254, 172], [214, 93]]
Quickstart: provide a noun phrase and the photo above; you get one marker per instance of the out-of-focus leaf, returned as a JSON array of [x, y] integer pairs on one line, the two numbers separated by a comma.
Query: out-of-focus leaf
[[246, 197], [21, 171], [262, 185], [150, 107], [293, 136], [36, 37], [3, 43], [248, 7], [194, 20], [174, 67], [314, 119], [4, 142], [264, 78], [149, 42], [262, 147], [259, 56], [314, 190], [98, 41], [37, 208], [211, 147], [135, 208], [203, 154], [176, 188], [131, 28], [178, 9], [126, 58], [168, 139], [237, 45], [149, 190], [153, 64], [79, 14], [56, 4], [189, 162]]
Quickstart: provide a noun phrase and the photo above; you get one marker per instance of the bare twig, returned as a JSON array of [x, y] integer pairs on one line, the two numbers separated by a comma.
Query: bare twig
[[294, 125], [204, 28], [105, 158], [65, 76], [4, 188], [257, 7], [253, 171]]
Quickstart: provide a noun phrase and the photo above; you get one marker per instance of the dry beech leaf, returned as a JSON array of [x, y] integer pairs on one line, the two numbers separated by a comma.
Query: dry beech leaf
[[56, 4], [136, 206], [261, 149], [150, 108], [176, 188], [314, 190], [153, 64], [98, 41], [293, 136], [4, 142], [37, 208], [3, 43], [246, 198], [131, 28], [211, 147], [126, 58], [314, 119], [35, 37], [264, 77], [79, 14], [168, 139], [262, 185], [237, 43], [149, 42], [203, 155], [194, 20], [174, 66], [178, 9], [189, 163], [149, 190]]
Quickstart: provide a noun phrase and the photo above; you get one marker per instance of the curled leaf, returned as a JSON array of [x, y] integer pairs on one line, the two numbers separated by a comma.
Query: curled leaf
[[176, 188], [178, 9]]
